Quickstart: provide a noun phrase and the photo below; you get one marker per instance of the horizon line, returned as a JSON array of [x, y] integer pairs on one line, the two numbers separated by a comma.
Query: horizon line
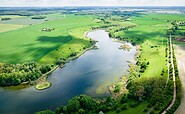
[[92, 6]]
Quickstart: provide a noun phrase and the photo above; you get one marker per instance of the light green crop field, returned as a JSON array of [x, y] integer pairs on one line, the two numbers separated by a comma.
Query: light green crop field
[[30, 43], [151, 35], [162, 16], [9, 27], [11, 16], [26, 20]]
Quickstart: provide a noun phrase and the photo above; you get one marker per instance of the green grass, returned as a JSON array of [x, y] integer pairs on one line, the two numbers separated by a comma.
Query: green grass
[[137, 110], [165, 17], [43, 85], [29, 43], [149, 32]]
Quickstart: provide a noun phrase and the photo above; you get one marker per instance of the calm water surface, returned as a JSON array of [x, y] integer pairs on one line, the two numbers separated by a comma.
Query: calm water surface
[[90, 74]]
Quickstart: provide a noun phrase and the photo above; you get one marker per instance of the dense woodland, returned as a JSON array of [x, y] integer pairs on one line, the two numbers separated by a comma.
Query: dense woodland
[[14, 74]]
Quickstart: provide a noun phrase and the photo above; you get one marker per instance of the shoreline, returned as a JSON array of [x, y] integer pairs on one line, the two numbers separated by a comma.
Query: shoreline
[[123, 81], [44, 77], [43, 80]]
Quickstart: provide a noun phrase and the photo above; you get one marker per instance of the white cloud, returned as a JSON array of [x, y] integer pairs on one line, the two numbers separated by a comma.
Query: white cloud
[[92, 2]]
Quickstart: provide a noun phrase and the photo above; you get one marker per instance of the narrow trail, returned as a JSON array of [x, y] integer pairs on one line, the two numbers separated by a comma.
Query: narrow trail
[[173, 73], [180, 55]]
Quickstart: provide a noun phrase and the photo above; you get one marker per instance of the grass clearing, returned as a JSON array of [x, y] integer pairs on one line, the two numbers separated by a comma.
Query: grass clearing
[[43, 85]]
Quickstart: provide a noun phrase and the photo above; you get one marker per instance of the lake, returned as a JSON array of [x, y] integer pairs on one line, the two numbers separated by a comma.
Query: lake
[[91, 74]]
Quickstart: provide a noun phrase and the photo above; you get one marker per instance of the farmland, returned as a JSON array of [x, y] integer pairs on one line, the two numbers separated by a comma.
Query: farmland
[[151, 35], [22, 45], [9, 27]]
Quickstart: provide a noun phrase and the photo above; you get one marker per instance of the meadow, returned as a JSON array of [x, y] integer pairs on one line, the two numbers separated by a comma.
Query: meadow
[[30, 43], [150, 34]]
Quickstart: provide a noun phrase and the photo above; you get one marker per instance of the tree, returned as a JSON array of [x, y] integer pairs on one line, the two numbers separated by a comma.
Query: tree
[[140, 92], [73, 105], [87, 102]]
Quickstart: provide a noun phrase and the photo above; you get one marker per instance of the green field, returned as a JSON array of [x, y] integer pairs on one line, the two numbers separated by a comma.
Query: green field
[[30, 43], [26, 20], [11, 16], [150, 33]]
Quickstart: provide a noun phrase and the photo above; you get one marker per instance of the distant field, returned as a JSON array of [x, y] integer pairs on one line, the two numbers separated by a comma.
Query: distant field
[[23, 20], [178, 17], [29, 43], [11, 16], [136, 110], [8, 27]]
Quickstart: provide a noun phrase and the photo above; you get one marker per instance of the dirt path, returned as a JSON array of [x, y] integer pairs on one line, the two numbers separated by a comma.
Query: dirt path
[[180, 55], [174, 90]]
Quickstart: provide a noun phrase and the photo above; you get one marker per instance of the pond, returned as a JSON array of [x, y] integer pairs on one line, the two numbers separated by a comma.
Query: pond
[[91, 74]]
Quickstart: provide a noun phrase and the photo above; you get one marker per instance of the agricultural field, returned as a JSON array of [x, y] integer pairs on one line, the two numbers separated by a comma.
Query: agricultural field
[[9, 27], [27, 20], [151, 35], [22, 45], [17, 22], [11, 16]]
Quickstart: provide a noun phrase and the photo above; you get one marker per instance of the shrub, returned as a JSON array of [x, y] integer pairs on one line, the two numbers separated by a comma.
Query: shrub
[[133, 104], [45, 112], [145, 110], [118, 110], [60, 62], [73, 54], [124, 107]]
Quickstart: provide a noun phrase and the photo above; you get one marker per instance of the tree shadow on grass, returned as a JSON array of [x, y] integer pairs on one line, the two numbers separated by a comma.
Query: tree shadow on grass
[[141, 36], [56, 39], [36, 50], [44, 49]]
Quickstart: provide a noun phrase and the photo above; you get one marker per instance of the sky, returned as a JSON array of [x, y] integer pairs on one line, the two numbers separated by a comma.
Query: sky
[[52, 3]]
